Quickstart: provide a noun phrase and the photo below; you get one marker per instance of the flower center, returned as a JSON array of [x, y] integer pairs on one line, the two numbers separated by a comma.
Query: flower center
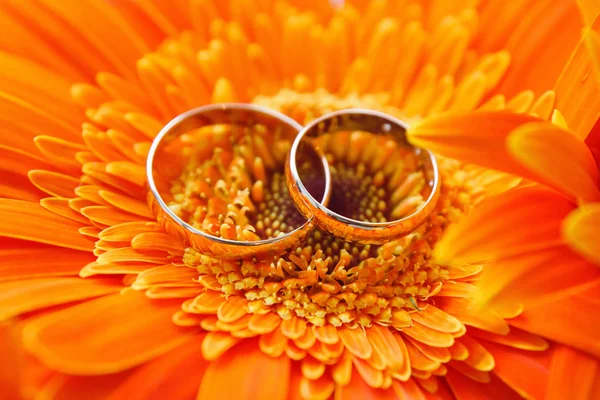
[[239, 192]]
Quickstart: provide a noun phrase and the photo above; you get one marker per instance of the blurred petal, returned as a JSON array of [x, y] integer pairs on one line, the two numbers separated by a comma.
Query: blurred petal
[[572, 321], [242, 373], [575, 373], [530, 219], [578, 87], [106, 335], [540, 36]]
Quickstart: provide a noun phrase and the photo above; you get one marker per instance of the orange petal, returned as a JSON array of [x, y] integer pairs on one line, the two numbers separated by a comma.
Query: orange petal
[[358, 388], [476, 138], [21, 259], [543, 147], [572, 321], [232, 309], [264, 323], [312, 368], [434, 318], [418, 360], [387, 346], [464, 388], [326, 334], [273, 343], [294, 327], [155, 378], [127, 231], [215, 344], [531, 219], [112, 334], [573, 372], [581, 230], [440, 354], [516, 338], [355, 340], [53, 183], [23, 220], [539, 35], [479, 358], [429, 336], [24, 296], [242, 373], [71, 387], [308, 339], [578, 86], [590, 10], [525, 372], [557, 272], [471, 313], [408, 390], [372, 377]]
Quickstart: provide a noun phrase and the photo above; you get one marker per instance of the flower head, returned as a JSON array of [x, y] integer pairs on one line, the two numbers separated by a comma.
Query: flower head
[[102, 300]]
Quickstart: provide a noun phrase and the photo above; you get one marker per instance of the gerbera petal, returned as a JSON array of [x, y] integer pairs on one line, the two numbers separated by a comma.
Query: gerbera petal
[[112, 334], [543, 147], [516, 338], [408, 390], [525, 372], [531, 219], [464, 388], [359, 389], [241, 373], [70, 387], [572, 321], [21, 259], [478, 137], [581, 230], [21, 220], [155, 378], [19, 297], [578, 86], [573, 372], [540, 36], [557, 272]]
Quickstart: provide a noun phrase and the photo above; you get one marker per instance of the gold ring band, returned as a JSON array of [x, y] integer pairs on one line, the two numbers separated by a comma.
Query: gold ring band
[[338, 225]]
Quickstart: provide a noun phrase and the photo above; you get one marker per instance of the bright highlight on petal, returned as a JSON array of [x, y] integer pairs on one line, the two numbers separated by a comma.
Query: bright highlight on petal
[[581, 230], [558, 159]]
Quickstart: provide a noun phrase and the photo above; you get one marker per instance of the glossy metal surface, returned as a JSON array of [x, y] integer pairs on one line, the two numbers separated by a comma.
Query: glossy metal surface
[[350, 229], [168, 152]]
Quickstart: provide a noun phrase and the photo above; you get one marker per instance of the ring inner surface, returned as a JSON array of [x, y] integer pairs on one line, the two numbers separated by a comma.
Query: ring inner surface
[[376, 179], [227, 179]]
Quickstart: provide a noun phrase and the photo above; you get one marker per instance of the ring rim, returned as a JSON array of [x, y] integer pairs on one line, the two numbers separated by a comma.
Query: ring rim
[[356, 230], [175, 122]]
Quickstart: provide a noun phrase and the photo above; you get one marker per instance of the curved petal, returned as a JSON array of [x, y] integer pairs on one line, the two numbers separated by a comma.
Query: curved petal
[[578, 87], [19, 297], [557, 272], [246, 372], [522, 219], [478, 138], [525, 372], [464, 388], [572, 321], [539, 34], [111, 334], [558, 159], [573, 372], [30, 221], [581, 230], [156, 378]]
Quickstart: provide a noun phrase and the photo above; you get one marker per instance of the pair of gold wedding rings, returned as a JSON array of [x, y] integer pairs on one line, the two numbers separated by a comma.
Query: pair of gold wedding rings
[[169, 152]]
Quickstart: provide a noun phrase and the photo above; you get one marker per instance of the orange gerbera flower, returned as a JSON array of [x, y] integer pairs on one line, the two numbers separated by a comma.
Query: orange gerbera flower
[[100, 302]]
